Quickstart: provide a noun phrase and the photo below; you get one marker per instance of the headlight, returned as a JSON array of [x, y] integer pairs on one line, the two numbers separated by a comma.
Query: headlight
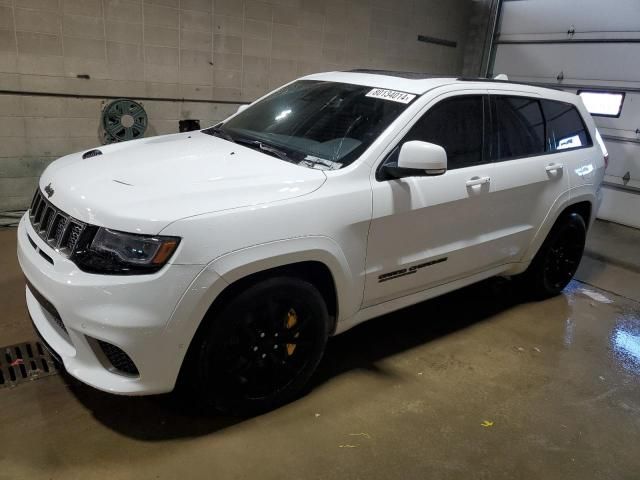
[[110, 251]]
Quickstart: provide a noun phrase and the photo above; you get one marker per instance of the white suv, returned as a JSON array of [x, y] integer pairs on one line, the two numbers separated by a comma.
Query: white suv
[[237, 250]]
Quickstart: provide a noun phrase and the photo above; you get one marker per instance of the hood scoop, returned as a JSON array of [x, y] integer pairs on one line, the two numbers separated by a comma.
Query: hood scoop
[[91, 153]]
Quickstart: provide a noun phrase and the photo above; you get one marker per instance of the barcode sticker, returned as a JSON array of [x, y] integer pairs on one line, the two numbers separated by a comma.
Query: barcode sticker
[[393, 95]]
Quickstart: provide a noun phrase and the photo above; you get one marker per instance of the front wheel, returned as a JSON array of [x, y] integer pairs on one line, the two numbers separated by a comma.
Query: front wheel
[[262, 347], [557, 261]]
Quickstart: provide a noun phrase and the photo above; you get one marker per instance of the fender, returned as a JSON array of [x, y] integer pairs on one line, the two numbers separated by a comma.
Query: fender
[[230, 267], [239, 264]]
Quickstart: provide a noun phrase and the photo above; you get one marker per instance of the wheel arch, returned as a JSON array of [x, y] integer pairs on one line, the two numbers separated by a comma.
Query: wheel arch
[[313, 271], [583, 206], [317, 259]]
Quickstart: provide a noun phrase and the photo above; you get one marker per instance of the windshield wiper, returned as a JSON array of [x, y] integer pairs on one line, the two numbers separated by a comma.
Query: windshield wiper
[[276, 152], [313, 161], [218, 132]]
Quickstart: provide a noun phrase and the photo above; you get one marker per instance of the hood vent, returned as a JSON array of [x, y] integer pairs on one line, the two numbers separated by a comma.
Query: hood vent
[[91, 153]]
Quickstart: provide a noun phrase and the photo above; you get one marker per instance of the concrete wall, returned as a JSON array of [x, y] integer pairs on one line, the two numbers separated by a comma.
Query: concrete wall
[[35, 130], [231, 50], [480, 28]]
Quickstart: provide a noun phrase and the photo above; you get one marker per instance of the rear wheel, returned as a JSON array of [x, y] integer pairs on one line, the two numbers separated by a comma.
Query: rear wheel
[[557, 261], [262, 347]]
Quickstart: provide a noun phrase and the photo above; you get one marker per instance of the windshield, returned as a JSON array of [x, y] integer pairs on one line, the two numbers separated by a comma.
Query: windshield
[[318, 124]]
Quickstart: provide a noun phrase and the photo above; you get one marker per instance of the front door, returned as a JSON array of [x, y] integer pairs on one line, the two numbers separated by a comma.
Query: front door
[[427, 231]]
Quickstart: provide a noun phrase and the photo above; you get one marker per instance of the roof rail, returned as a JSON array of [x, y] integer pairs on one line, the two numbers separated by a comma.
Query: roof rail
[[419, 76], [395, 73], [510, 82]]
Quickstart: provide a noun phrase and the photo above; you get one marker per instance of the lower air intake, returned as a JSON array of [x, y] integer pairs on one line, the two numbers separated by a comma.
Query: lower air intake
[[118, 359], [47, 305]]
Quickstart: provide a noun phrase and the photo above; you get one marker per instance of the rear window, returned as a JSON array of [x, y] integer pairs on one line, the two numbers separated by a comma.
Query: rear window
[[520, 127], [525, 127], [565, 127]]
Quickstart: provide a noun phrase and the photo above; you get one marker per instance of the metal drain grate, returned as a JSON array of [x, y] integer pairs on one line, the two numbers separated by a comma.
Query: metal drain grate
[[25, 362]]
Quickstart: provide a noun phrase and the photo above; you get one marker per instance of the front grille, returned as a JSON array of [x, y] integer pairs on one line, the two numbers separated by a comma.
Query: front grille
[[120, 360], [59, 230]]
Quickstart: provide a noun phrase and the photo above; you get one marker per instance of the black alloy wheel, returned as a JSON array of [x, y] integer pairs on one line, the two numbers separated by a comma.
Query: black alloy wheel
[[263, 347], [563, 259], [558, 259]]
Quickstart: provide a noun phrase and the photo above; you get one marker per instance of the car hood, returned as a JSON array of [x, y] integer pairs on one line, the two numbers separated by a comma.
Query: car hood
[[144, 185]]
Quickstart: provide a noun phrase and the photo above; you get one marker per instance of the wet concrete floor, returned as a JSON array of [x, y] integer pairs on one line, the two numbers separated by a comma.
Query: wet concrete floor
[[475, 384]]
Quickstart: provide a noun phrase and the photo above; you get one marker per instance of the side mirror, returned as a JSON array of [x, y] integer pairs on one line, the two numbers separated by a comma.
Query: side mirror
[[418, 159], [242, 108]]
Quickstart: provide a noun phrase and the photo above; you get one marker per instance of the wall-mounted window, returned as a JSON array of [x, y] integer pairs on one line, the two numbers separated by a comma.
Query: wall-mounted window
[[601, 103]]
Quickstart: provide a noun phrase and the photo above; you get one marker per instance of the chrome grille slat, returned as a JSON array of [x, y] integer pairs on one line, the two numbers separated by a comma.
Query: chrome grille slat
[[75, 230], [41, 214], [54, 237], [36, 197], [46, 219], [39, 211], [34, 204], [59, 230], [34, 207], [50, 222]]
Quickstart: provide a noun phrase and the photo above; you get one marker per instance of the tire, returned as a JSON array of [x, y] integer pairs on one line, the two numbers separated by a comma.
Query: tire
[[260, 349], [557, 261]]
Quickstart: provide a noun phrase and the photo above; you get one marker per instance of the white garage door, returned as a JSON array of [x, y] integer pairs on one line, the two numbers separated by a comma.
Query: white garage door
[[580, 45]]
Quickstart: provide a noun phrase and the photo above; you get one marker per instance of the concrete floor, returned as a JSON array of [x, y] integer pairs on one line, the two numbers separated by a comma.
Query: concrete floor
[[404, 396], [612, 259]]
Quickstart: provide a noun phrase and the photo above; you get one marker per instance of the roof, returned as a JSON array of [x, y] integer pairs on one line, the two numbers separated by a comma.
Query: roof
[[402, 81], [419, 83], [394, 73]]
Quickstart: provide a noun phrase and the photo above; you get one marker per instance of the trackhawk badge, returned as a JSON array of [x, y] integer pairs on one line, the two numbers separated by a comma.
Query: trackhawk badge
[[408, 271], [49, 190]]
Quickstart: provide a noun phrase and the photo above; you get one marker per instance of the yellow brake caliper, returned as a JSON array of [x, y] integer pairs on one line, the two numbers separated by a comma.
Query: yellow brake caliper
[[292, 320]]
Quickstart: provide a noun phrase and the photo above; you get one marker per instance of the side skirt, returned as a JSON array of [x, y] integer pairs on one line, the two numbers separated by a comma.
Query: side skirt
[[402, 302]]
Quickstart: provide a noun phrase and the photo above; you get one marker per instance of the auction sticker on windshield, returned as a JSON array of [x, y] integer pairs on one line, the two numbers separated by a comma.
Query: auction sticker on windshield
[[392, 95]]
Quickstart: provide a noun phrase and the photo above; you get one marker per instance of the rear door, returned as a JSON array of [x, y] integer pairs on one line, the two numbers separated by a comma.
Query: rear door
[[531, 163]]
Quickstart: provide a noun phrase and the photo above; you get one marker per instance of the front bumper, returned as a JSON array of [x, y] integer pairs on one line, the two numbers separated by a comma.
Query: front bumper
[[146, 316]]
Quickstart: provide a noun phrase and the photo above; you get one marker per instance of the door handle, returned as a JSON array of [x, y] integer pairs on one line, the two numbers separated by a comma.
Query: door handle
[[473, 181], [554, 167]]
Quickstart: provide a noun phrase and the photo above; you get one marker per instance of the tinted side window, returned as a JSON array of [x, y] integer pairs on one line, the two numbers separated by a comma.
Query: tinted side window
[[519, 128], [456, 124], [565, 128]]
